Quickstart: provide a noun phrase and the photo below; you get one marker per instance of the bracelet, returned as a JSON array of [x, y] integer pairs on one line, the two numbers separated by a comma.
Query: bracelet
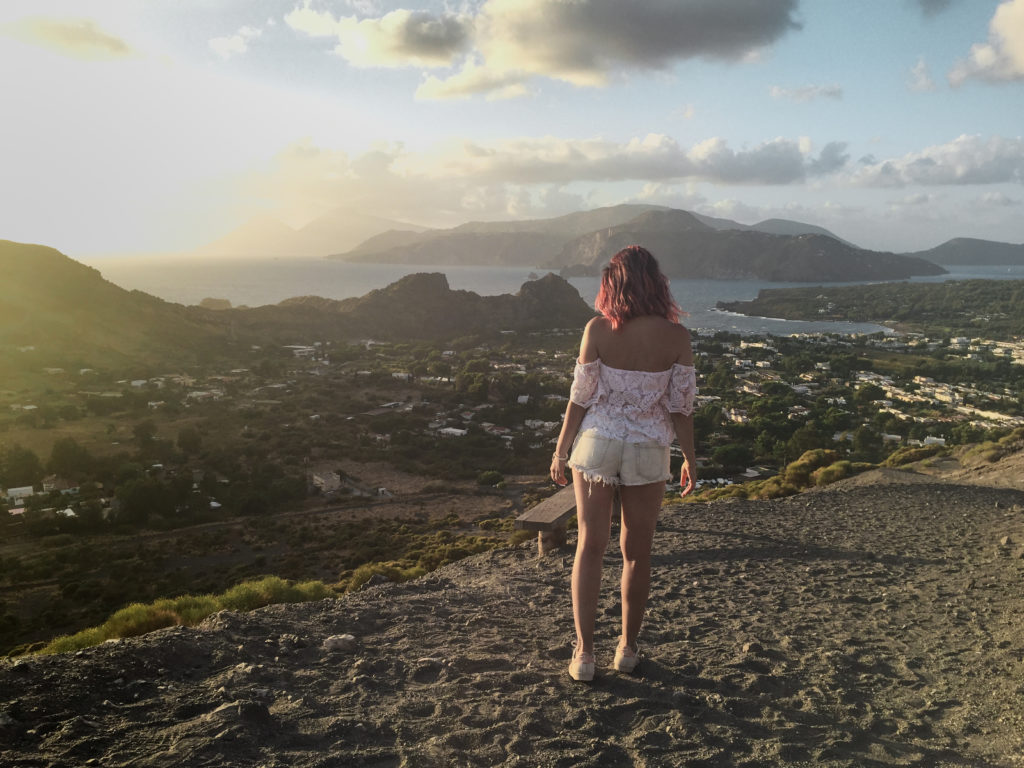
[[556, 457]]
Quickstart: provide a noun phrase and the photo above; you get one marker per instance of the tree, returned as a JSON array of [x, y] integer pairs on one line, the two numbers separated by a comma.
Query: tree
[[19, 466], [69, 459], [869, 393], [867, 443], [189, 440], [733, 456], [143, 498], [722, 378], [144, 432]]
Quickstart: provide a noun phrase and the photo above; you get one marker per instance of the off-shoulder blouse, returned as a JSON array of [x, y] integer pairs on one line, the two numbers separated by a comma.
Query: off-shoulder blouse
[[633, 405]]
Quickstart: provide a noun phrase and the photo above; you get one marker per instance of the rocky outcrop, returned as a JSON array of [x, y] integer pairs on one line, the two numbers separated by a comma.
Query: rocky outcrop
[[423, 306]]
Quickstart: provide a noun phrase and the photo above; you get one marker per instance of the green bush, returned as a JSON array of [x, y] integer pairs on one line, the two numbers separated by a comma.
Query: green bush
[[798, 473], [188, 610], [773, 488], [831, 473], [394, 571], [489, 477], [908, 454]]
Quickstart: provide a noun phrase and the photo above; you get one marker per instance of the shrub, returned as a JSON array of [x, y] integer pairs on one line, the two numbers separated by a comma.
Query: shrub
[[489, 477], [393, 571], [138, 619], [773, 488], [798, 473], [520, 536], [831, 473], [908, 454], [188, 610]]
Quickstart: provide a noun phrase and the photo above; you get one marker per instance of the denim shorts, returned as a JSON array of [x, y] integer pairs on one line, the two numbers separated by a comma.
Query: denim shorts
[[606, 460]]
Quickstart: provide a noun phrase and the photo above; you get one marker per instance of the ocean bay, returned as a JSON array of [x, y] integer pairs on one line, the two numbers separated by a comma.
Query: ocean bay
[[255, 282]]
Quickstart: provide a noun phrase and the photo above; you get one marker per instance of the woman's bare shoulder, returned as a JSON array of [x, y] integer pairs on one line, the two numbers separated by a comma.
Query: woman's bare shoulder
[[596, 331], [682, 343]]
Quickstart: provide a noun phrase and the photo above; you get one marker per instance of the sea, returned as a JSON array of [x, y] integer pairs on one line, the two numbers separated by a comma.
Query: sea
[[255, 282]]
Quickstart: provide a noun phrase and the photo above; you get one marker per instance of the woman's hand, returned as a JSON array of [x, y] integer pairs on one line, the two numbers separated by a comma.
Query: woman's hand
[[558, 471], [687, 479]]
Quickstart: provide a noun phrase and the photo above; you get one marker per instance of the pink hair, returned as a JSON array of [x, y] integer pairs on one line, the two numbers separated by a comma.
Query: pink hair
[[633, 285]]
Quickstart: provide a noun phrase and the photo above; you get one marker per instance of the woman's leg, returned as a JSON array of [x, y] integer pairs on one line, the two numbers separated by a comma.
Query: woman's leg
[[640, 507], [594, 515]]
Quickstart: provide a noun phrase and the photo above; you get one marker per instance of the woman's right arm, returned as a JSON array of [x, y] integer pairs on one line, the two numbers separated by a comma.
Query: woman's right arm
[[574, 412]]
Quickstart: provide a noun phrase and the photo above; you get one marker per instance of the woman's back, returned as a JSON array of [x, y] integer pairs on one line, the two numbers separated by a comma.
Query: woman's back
[[646, 343]]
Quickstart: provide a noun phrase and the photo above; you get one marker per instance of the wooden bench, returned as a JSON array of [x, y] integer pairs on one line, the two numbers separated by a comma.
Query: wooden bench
[[549, 519]]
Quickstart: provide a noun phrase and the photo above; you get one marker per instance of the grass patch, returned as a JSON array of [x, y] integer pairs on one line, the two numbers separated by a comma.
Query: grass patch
[[188, 610], [908, 454], [814, 468]]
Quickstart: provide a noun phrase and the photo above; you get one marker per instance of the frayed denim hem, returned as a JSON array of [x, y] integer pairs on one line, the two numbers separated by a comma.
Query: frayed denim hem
[[594, 478]]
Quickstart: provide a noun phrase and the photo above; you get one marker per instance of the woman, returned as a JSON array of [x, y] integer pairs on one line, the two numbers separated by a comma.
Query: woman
[[632, 393]]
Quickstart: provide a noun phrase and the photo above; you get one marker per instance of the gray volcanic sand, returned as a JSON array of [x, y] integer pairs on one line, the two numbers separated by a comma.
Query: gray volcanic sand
[[871, 625]]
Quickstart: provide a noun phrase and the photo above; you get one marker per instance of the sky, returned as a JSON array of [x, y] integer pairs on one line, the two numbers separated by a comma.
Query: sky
[[160, 125]]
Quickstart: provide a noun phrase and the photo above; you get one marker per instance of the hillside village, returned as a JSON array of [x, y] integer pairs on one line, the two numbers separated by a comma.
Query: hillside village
[[309, 403]]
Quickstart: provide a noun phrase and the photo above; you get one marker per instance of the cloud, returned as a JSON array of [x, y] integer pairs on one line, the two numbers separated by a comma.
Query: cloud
[[232, 45], [473, 79], [995, 200], [669, 195], [933, 7], [912, 201], [74, 38], [583, 42], [400, 38], [508, 177], [920, 80], [833, 158], [807, 92], [965, 160], [1002, 57]]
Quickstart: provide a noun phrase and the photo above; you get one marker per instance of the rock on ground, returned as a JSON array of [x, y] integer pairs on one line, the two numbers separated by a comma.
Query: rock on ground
[[866, 626]]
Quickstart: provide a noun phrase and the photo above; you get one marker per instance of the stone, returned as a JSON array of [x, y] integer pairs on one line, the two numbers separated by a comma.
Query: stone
[[340, 643]]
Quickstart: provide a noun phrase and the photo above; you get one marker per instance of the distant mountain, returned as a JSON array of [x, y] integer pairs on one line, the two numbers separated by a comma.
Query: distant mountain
[[569, 225], [530, 243], [770, 226], [547, 242], [687, 247], [787, 227], [968, 251], [489, 249], [393, 238], [265, 237]]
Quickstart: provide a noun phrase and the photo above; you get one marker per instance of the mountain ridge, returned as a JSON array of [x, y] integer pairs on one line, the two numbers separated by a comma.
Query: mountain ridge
[[67, 311], [689, 248], [971, 251]]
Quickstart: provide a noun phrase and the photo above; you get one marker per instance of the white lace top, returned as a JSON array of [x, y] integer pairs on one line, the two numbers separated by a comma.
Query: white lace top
[[633, 405]]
